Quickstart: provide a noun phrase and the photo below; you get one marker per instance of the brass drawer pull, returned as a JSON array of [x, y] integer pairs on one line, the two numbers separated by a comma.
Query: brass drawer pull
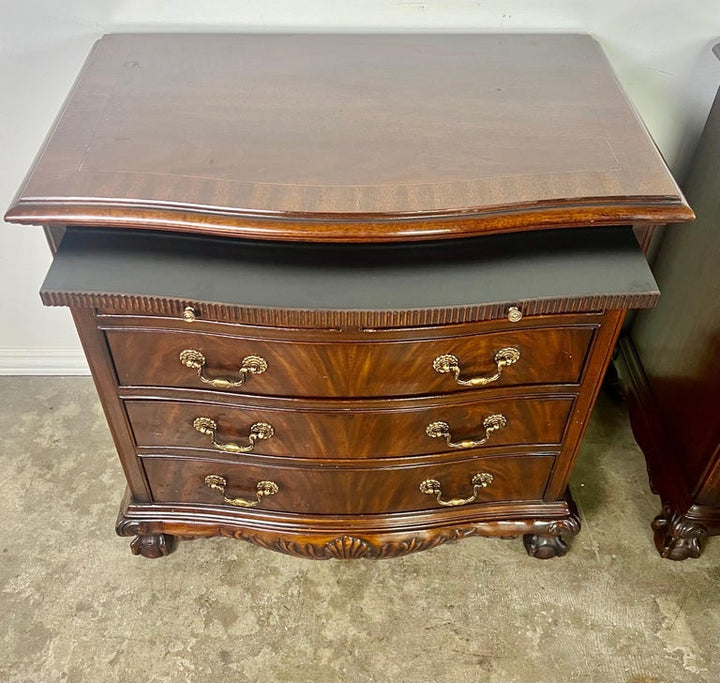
[[258, 432], [479, 481], [264, 488], [441, 430], [251, 365], [449, 363]]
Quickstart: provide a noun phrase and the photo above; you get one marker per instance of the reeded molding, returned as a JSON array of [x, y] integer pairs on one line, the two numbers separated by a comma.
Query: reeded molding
[[304, 318]]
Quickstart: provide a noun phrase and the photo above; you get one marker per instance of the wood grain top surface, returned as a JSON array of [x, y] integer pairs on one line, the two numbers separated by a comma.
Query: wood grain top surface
[[347, 138]]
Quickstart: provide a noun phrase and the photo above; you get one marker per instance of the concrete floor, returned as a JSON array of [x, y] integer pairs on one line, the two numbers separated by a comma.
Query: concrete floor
[[75, 605]]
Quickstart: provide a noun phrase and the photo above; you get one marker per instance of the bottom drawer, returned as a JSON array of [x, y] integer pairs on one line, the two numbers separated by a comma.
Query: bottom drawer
[[356, 490]]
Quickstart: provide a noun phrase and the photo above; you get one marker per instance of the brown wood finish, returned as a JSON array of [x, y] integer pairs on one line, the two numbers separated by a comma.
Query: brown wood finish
[[103, 373], [354, 159], [360, 537], [346, 491], [669, 366], [644, 233], [54, 235], [350, 231], [690, 510], [348, 138], [361, 433], [158, 320], [598, 362], [370, 367]]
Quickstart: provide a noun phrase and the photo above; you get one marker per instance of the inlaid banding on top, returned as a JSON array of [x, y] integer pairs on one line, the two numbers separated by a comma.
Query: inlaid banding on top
[[356, 138]]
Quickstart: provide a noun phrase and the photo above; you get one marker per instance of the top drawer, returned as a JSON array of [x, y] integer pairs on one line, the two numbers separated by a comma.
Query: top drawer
[[319, 365]]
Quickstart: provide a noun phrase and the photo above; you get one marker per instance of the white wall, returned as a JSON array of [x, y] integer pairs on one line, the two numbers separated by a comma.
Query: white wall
[[659, 48]]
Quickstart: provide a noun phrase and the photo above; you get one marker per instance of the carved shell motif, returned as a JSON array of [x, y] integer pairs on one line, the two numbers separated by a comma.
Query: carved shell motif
[[354, 548], [341, 548], [347, 548]]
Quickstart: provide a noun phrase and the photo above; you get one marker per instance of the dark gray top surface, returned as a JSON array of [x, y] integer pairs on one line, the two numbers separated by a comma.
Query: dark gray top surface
[[486, 270], [493, 269]]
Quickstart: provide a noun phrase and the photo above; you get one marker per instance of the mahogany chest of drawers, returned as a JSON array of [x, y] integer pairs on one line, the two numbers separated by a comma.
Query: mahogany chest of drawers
[[287, 271], [669, 365]]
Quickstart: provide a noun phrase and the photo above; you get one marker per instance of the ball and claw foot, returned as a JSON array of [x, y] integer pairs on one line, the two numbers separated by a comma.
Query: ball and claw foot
[[152, 545], [544, 546], [676, 537]]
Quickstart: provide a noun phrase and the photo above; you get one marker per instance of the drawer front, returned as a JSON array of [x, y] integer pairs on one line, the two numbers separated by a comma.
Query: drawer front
[[152, 357], [341, 434], [333, 490]]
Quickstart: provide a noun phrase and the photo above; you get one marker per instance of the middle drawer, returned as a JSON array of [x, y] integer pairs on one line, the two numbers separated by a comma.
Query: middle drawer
[[363, 432]]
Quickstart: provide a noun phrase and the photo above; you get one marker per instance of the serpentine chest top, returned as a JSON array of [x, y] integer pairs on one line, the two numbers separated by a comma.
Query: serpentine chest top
[[326, 284]]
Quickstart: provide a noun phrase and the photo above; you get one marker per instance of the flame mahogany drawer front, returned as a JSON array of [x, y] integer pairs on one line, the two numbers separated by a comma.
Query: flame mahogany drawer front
[[347, 491], [367, 431], [311, 365]]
